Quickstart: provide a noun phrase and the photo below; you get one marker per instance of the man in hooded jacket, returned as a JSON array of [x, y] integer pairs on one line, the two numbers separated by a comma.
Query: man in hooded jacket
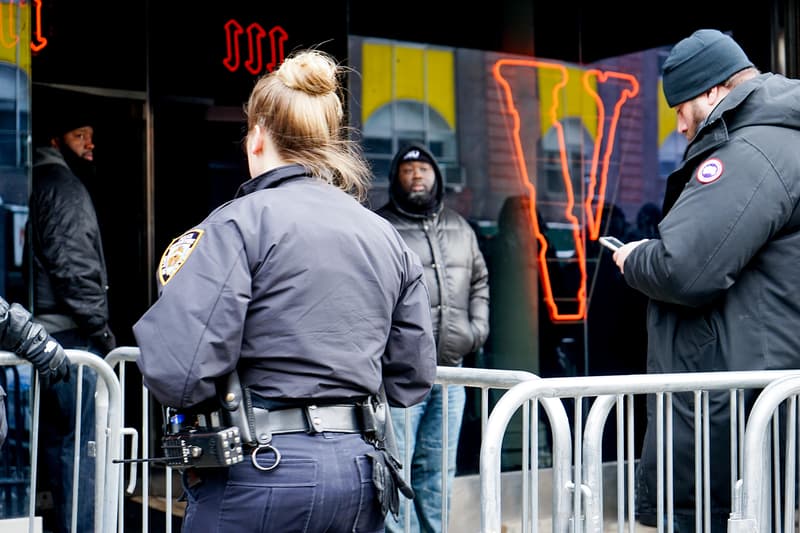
[[70, 293], [457, 280], [722, 278]]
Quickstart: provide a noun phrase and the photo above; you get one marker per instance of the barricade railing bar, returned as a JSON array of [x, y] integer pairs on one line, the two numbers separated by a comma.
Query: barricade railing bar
[[487, 380], [108, 404], [586, 467], [759, 489], [118, 359]]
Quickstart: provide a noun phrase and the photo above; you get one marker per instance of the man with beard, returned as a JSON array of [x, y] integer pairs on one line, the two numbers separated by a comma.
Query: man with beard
[[721, 275], [457, 280], [70, 295]]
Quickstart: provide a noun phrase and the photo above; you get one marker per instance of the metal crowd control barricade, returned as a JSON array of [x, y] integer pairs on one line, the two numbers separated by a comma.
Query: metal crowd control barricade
[[586, 467], [486, 380], [769, 435], [118, 359], [108, 426]]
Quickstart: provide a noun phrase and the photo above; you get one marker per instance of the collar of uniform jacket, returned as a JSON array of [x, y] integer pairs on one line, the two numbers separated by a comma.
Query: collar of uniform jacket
[[271, 178]]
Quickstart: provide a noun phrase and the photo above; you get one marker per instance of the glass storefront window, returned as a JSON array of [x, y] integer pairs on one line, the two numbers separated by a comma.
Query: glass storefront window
[[541, 153], [15, 61]]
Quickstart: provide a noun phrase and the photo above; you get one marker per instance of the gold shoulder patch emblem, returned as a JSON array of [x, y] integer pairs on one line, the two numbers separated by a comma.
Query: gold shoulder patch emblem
[[177, 253]]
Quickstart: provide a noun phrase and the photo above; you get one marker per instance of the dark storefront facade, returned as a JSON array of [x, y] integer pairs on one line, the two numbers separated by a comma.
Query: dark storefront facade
[[547, 117]]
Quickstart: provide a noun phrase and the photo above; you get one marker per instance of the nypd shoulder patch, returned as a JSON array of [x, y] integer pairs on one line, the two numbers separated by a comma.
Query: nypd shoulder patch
[[709, 170], [177, 253]]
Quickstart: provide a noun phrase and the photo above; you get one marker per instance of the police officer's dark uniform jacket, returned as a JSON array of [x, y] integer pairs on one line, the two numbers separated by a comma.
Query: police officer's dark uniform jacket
[[455, 269], [723, 279], [253, 287], [69, 269]]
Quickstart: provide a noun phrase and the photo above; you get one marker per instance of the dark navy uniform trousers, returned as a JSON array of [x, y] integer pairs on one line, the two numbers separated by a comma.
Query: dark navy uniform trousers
[[323, 483]]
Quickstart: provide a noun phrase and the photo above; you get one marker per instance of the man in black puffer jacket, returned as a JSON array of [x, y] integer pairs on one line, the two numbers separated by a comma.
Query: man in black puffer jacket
[[70, 287], [457, 280]]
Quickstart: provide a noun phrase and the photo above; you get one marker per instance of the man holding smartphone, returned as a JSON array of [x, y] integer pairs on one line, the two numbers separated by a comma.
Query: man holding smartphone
[[726, 259]]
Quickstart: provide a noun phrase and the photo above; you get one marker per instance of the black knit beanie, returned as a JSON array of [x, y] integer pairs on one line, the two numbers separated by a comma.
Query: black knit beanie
[[699, 62], [56, 112]]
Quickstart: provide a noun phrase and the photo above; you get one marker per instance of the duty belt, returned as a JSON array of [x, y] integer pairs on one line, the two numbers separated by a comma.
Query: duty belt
[[308, 419], [339, 418]]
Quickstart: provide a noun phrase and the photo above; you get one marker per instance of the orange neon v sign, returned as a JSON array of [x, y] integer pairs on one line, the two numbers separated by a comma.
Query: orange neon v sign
[[604, 137], [8, 24]]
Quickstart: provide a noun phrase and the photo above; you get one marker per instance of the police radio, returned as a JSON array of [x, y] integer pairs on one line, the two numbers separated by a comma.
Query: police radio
[[210, 436], [201, 444], [197, 440]]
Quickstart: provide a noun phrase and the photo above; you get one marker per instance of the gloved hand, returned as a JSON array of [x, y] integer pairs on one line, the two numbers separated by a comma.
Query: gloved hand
[[29, 340], [102, 341]]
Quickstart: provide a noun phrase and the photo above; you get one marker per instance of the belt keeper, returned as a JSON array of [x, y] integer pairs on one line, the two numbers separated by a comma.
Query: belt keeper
[[314, 420], [263, 433], [264, 436]]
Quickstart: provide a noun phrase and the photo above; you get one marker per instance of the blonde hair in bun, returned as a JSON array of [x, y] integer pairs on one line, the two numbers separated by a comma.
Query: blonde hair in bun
[[300, 105]]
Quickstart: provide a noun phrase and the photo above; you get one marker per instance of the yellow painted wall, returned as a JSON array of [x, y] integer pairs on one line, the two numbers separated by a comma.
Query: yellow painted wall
[[15, 34], [377, 76], [574, 101], [395, 72], [667, 119]]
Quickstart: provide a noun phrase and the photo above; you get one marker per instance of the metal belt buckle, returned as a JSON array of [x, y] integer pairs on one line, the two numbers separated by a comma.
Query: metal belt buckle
[[265, 448]]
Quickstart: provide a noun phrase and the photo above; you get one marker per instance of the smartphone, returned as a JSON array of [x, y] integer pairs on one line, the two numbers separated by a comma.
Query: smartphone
[[612, 243]]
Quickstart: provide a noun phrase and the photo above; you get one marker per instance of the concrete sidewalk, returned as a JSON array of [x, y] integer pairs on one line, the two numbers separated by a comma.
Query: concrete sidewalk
[[465, 516]]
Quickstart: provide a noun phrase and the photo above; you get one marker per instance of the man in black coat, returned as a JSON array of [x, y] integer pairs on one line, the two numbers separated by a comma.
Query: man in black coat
[[722, 274], [70, 286]]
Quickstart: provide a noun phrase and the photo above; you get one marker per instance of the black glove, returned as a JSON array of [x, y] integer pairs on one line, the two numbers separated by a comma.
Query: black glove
[[102, 341], [29, 340], [394, 468], [389, 483], [385, 488]]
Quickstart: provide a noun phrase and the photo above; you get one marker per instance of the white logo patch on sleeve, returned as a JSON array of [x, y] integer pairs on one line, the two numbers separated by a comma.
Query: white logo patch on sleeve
[[709, 170], [177, 253]]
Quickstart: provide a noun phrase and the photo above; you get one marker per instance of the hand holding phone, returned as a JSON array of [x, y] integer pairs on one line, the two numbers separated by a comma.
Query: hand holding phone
[[612, 243]]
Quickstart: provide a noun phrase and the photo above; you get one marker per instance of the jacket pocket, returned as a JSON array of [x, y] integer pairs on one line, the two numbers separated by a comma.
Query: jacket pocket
[[696, 345]]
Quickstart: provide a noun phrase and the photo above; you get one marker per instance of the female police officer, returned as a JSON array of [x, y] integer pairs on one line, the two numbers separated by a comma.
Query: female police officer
[[311, 297]]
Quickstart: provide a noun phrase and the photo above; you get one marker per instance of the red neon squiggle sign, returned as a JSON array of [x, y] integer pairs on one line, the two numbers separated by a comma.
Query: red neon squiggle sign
[[593, 213], [255, 56]]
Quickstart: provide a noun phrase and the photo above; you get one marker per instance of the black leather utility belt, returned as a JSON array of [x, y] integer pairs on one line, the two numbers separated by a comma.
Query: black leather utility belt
[[254, 425], [217, 437], [338, 418]]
